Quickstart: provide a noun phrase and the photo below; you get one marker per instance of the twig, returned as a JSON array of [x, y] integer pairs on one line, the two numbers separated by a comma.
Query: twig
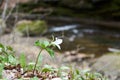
[[5, 9], [16, 18], [27, 33], [10, 12]]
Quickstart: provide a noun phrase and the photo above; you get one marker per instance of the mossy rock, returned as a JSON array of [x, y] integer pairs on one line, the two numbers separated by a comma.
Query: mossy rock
[[31, 28]]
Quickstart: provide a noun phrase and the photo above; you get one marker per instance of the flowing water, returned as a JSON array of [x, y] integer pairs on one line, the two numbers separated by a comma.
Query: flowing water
[[89, 39]]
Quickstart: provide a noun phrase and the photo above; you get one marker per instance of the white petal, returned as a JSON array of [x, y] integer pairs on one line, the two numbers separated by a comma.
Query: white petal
[[58, 41], [58, 46]]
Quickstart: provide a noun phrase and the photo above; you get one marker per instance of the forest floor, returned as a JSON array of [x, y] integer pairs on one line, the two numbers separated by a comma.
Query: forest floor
[[26, 45]]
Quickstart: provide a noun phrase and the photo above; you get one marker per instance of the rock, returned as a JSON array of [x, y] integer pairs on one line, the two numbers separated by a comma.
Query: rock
[[73, 56], [109, 65], [2, 26], [31, 28]]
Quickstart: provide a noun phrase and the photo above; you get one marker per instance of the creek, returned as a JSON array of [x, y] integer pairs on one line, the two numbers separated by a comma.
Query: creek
[[90, 39], [90, 36]]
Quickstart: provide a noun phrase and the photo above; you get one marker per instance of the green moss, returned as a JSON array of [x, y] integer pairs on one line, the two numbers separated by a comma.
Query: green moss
[[33, 27]]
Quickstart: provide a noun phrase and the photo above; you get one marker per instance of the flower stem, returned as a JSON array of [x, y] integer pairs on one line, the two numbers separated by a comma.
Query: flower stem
[[37, 61]]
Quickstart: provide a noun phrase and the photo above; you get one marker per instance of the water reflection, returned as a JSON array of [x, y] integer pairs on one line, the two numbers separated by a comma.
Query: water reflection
[[63, 28]]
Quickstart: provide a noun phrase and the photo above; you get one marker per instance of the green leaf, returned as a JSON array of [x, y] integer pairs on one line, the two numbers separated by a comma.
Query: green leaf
[[1, 48], [50, 51], [46, 43], [9, 48], [1, 45], [1, 69], [77, 72], [30, 66], [47, 68], [42, 44], [34, 78], [3, 59], [37, 43], [23, 60], [12, 59]]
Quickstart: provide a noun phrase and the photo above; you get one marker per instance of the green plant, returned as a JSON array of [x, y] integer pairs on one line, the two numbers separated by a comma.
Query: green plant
[[22, 61], [1, 69], [46, 45], [85, 74], [47, 72], [7, 55]]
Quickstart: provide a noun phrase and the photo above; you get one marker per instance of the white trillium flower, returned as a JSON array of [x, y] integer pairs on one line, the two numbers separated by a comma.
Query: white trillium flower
[[57, 42]]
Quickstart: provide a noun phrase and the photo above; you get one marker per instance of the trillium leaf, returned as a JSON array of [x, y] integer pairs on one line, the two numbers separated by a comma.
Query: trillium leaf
[[50, 51], [42, 44], [46, 43], [37, 43]]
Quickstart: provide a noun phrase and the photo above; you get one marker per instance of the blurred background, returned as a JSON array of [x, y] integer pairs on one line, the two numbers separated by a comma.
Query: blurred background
[[89, 28]]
